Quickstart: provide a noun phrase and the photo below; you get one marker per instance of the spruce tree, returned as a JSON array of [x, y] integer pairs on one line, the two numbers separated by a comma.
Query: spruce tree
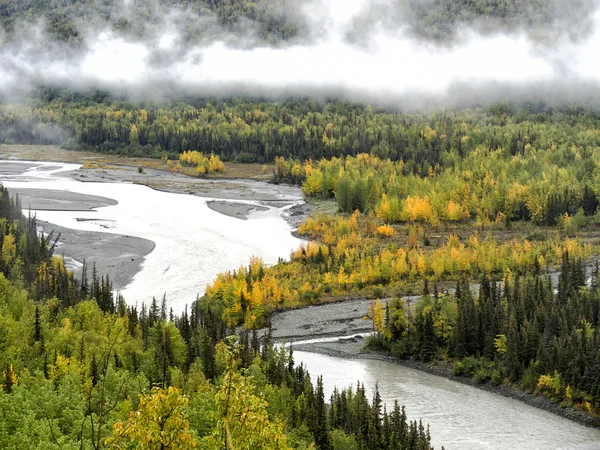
[[37, 333]]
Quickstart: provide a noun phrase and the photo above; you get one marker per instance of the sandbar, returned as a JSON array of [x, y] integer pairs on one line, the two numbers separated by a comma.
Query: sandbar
[[117, 255]]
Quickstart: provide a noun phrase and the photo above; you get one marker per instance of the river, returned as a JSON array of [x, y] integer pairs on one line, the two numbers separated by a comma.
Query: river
[[194, 243], [460, 416]]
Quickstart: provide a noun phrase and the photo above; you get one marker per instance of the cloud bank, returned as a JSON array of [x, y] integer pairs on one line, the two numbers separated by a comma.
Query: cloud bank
[[352, 48]]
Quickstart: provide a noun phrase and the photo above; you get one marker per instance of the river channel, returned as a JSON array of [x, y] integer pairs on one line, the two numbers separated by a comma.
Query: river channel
[[194, 243]]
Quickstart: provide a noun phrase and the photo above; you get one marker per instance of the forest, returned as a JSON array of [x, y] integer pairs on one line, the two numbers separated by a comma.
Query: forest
[[505, 194], [80, 369], [278, 22], [523, 330], [488, 186], [471, 212], [505, 162], [352, 258], [257, 130], [68, 21]]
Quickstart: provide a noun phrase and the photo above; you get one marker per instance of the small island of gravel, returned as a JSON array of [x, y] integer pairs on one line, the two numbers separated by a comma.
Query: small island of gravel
[[232, 209]]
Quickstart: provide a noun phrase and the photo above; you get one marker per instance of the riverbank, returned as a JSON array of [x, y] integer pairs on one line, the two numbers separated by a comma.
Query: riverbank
[[121, 256], [321, 324], [118, 256], [186, 243], [352, 348], [243, 182], [255, 195], [50, 200]]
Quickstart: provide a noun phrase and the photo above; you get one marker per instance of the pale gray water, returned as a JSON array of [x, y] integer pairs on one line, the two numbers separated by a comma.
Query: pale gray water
[[192, 242], [460, 416]]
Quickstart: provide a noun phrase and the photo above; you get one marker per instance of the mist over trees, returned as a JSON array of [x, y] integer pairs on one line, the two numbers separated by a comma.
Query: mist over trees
[[406, 53], [277, 21]]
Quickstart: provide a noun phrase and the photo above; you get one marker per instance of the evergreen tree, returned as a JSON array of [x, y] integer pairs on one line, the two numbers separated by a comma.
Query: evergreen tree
[[37, 334]]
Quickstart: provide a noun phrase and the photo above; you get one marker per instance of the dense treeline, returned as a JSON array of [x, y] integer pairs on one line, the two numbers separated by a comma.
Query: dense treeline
[[440, 19], [488, 185], [80, 370], [248, 130], [26, 258], [253, 130], [530, 163], [495, 164], [356, 256], [523, 331]]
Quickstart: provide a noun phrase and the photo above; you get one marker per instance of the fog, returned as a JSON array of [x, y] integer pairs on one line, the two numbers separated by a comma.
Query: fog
[[359, 49]]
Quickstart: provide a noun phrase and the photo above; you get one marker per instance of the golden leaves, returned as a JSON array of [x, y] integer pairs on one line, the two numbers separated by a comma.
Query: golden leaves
[[160, 422]]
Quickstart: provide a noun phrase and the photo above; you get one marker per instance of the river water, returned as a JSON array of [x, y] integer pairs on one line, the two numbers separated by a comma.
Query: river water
[[460, 416], [194, 243]]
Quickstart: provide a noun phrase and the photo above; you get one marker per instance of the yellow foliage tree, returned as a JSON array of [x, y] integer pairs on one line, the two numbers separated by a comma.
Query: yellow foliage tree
[[9, 379], [159, 423], [242, 418], [454, 212], [377, 316], [9, 249], [385, 231]]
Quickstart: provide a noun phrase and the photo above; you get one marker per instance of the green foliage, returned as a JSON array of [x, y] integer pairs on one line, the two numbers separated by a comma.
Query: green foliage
[[525, 164], [282, 21], [524, 332], [488, 185], [77, 375], [65, 20], [341, 441]]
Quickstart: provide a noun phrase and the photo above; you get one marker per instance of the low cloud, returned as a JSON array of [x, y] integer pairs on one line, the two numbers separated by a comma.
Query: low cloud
[[349, 48]]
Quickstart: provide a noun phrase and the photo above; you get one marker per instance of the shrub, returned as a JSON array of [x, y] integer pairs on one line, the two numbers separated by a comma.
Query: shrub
[[496, 378], [481, 375]]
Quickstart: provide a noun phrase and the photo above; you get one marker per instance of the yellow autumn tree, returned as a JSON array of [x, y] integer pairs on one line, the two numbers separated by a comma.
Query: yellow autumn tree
[[9, 379], [242, 417], [215, 164], [385, 231], [377, 316], [134, 139], [9, 249], [159, 423], [453, 211], [382, 212]]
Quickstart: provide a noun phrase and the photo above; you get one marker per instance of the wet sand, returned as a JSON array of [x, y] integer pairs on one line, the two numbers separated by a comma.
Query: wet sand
[[342, 318], [119, 256], [232, 209], [282, 196], [8, 168], [51, 200], [226, 189]]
